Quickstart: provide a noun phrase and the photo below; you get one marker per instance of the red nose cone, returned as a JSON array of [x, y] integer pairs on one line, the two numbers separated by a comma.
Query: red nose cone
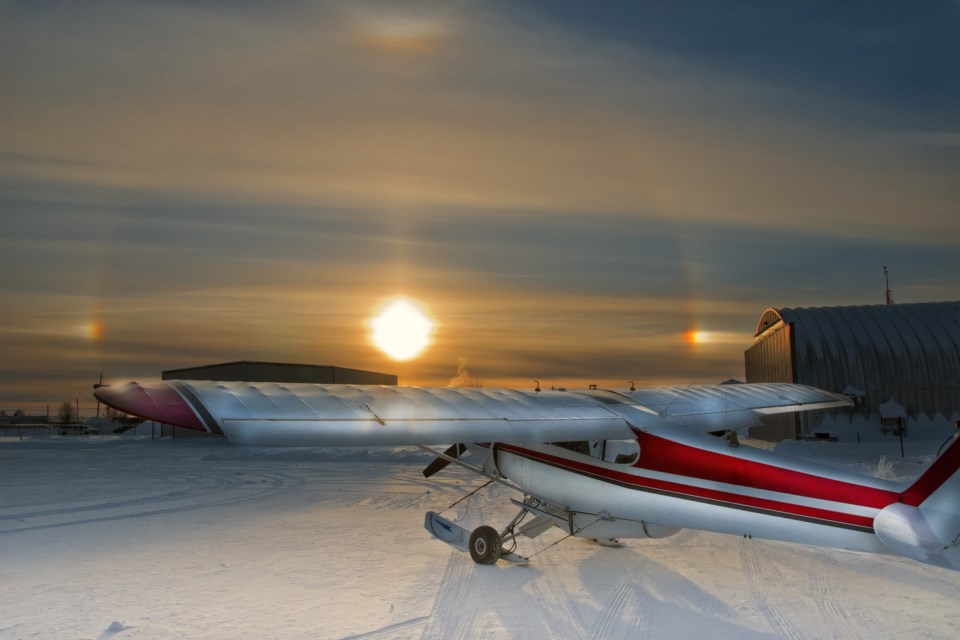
[[155, 400]]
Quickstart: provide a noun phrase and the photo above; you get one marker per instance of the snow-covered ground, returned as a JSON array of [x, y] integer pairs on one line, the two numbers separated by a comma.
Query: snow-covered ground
[[125, 537]]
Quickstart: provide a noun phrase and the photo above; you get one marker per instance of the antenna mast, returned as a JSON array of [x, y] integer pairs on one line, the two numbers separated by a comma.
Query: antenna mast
[[888, 295]]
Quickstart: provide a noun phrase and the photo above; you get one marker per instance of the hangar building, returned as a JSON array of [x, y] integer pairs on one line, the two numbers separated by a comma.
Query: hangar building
[[248, 371], [900, 363]]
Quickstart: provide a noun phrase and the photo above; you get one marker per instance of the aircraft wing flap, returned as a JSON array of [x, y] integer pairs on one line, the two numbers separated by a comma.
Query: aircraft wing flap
[[369, 432]]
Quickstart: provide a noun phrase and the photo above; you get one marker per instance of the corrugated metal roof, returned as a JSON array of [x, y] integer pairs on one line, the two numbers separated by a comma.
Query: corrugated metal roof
[[908, 351]]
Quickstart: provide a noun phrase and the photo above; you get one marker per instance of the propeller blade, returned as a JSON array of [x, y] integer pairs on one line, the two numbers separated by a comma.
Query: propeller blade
[[439, 464]]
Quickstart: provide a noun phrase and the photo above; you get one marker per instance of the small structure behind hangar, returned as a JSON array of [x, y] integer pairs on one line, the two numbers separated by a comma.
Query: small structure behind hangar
[[900, 363]]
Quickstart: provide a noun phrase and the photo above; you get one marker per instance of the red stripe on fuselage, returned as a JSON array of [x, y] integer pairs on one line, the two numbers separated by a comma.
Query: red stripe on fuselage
[[938, 473], [668, 456], [630, 480]]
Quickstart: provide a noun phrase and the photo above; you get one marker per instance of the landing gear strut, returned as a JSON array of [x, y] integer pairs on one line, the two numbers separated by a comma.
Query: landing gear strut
[[485, 545]]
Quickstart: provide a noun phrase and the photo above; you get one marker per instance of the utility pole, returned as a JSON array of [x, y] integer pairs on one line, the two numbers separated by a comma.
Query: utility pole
[[98, 399], [888, 295]]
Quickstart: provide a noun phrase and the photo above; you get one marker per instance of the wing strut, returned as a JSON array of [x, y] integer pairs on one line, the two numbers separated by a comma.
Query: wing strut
[[472, 467]]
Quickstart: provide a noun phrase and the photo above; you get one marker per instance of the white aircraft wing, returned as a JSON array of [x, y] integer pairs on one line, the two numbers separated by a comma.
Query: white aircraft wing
[[731, 406], [360, 415], [345, 415]]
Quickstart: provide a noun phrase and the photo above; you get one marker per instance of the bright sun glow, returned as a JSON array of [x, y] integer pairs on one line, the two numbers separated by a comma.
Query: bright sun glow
[[95, 330], [401, 329], [696, 337], [92, 331]]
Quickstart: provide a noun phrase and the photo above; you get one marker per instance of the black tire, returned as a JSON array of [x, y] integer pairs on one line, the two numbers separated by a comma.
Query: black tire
[[485, 545]]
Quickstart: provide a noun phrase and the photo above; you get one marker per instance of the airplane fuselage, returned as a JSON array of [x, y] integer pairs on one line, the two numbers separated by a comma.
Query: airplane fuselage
[[753, 494]]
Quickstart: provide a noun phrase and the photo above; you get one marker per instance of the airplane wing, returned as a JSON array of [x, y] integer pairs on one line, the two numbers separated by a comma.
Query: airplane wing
[[359, 415], [731, 406]]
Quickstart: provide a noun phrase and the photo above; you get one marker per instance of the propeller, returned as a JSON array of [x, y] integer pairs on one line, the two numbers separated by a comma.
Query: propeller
[[439, 463]]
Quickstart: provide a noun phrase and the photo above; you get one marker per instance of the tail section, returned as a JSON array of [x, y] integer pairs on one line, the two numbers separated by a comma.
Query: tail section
[[925, 523]]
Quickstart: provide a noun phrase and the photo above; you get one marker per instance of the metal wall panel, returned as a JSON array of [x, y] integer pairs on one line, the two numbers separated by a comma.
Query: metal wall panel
[[770, 359], [910, 352]]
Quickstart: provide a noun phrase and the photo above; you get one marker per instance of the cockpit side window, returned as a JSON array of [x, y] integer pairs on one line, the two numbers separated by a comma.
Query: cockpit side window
[[621, 451], [577, 446], [616, 451]]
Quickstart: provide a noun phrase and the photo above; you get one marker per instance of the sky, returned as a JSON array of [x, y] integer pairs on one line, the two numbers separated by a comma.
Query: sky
[[571, 191]]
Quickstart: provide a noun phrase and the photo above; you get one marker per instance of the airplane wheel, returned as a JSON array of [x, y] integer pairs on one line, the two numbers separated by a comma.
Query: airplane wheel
[[485, 545]]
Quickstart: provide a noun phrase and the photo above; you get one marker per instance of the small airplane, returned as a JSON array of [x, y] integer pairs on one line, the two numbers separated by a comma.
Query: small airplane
[[602, 464]]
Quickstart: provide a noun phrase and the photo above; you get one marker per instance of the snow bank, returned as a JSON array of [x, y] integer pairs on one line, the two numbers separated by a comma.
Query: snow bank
[[878, 459]]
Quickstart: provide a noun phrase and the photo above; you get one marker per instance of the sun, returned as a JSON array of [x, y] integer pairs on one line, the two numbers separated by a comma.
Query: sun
[[401, 329]]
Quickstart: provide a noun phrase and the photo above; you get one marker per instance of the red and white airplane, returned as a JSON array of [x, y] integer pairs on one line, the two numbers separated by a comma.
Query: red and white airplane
[[600, 464]]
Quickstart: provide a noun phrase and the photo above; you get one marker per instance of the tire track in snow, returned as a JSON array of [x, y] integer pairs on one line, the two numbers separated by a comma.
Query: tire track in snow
[[238, 488], [765, 579], [836, 616], [566, 618], [94, 506], [452, 615], [391, 630], [623, 598]]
